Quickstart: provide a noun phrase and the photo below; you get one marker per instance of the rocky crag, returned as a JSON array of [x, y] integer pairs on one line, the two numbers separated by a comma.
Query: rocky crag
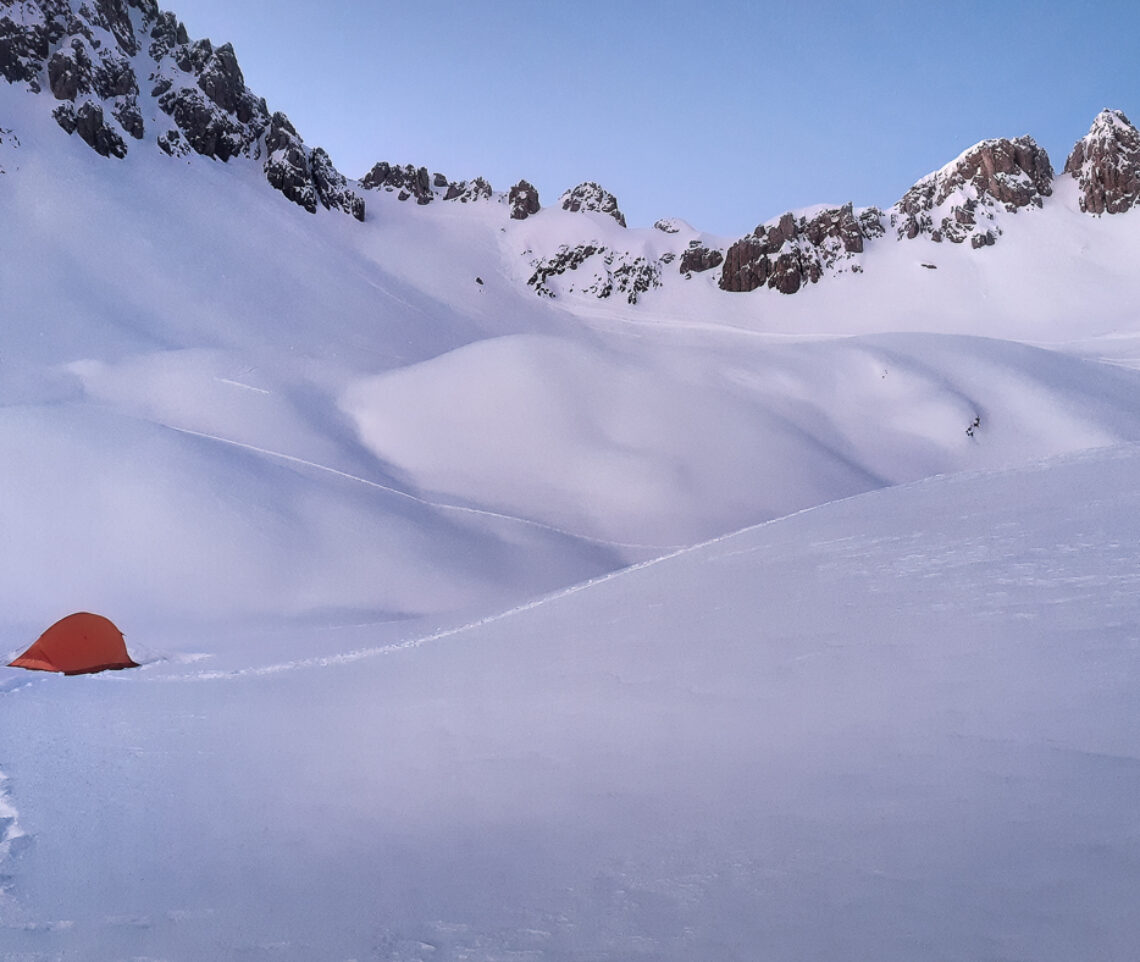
[[1106, 165], [959, 202], [796, 250], [117, 72]]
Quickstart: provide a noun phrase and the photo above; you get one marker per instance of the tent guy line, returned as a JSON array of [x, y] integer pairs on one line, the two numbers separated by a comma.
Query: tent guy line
[[441, 505]]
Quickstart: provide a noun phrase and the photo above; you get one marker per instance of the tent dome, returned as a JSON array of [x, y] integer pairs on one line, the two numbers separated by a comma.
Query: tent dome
[[79, 644]]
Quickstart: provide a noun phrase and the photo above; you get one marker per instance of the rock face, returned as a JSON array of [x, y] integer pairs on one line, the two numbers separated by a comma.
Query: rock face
[[468, 190], [89, 123], [697, 258], [600, 271], [589, 196], [959, 201], [794, 251], [523, 199], [410, 181], [90, 55], [1106, 165]]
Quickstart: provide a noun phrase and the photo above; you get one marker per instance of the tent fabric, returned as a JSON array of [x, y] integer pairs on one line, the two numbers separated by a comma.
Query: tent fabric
[[79, 644]]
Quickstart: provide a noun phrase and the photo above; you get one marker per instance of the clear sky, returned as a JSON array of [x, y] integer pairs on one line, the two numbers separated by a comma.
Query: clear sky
[[723, 112]]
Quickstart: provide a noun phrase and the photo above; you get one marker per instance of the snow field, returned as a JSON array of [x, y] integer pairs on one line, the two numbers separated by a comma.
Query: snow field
[[333, 489], [897, 726]]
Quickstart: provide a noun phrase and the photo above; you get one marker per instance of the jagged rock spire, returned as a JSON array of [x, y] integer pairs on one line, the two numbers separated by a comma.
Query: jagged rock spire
[[1106, 165]]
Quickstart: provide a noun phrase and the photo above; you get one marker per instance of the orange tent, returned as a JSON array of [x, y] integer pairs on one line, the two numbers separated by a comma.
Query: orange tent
[[79, 644]]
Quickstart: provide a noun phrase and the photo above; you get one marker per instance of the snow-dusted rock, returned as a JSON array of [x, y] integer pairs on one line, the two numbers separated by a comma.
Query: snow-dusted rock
[[91, 56], [1106, 164], [792, 251], [88, 121], [590, 196], [523, 198], [332, 186], [697, 258], [409, 180], [959, 201], [468, 190], [600, 272], [306, 178], [28, 31]]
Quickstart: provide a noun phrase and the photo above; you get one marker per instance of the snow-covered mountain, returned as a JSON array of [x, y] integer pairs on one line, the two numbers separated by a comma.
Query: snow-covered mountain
[[357, 466]]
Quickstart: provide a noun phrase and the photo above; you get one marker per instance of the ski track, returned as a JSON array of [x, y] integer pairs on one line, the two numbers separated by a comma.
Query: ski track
[[443, 506], [360, 654]]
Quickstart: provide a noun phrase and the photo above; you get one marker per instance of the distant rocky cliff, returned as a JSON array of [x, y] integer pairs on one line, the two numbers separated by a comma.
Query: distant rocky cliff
[[958, 202], [1106, 165], [123, 71], [798, 250]]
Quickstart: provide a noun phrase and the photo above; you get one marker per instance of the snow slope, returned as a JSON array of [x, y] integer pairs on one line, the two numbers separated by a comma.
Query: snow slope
[[245, 382], [901, 726], [359, 499]]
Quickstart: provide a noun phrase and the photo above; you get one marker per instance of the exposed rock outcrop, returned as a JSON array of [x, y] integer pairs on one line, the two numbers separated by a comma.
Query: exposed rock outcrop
[[697, 258], [523, 200], [27, 36], [89, 123], [306, 178], [796, 250], [87, 52], [960, 200], [1106, 165], [603, 272], [589, 196], [332, 186], [468, 190], [409, 181]]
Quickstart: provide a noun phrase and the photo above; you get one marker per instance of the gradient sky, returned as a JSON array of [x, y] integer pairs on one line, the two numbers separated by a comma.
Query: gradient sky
[[723, 112]]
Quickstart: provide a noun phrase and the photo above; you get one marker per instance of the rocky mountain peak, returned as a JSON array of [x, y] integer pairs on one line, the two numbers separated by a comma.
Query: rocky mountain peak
[[1106, 165], [589, 196], [959, 201], [91, 54], [523, 200]]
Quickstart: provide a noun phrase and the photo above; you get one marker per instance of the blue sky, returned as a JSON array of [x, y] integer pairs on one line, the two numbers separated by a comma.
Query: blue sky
[[722, 112]]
